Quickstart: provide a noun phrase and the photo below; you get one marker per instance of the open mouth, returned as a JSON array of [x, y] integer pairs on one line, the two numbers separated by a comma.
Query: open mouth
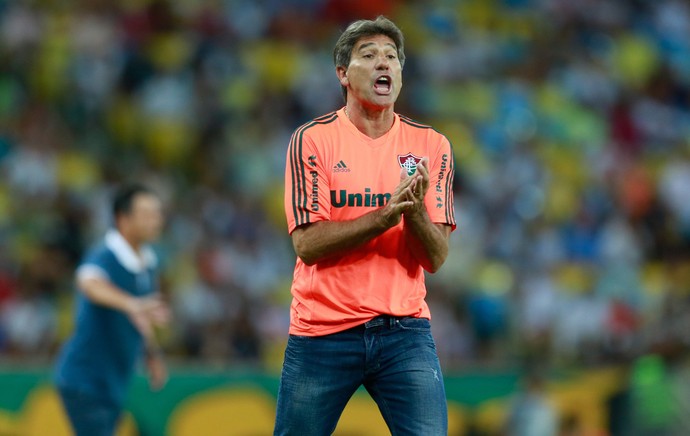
[[382, 85]]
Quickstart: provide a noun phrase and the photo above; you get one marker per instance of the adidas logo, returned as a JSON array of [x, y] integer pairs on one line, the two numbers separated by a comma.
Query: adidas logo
[[341, 167]]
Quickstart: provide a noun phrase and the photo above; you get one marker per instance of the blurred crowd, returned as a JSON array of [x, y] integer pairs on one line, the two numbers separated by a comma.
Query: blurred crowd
[[570, 123]]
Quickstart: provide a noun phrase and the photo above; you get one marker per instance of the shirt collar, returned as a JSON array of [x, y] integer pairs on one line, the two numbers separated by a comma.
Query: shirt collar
[[126, 255]]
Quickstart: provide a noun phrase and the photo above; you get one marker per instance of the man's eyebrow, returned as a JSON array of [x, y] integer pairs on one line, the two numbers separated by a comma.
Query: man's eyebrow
[[367, 44]]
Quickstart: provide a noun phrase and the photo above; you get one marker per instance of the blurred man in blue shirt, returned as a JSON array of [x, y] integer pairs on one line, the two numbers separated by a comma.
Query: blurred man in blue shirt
[[118, 308]]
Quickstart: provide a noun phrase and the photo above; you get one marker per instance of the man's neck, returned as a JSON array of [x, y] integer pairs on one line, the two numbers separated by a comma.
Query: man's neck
[[373, 123], [133, 242]]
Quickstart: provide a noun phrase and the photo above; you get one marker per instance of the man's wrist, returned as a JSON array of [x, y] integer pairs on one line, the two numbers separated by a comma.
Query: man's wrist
[[153, 352], [415, 216], [382, 220], [131, 305]]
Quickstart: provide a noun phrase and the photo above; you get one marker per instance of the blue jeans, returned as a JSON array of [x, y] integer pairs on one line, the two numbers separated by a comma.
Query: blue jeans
[[89, 415], [394, 358]]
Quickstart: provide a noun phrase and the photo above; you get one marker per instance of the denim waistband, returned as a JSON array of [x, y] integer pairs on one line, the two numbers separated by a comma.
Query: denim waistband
[[383, 321]]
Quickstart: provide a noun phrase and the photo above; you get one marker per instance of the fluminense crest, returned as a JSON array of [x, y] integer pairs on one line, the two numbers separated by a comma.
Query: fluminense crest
[[409, 162]]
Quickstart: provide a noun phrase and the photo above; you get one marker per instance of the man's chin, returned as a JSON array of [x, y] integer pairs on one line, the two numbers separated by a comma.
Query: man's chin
[[151, 237], [384, 100]]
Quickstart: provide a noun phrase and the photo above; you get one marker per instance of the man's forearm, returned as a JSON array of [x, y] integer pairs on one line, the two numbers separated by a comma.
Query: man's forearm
[[103, 293], [428, 241], [145, 312], [324, 239]]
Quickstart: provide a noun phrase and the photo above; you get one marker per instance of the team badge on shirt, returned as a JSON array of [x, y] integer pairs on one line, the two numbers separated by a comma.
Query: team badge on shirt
[[409, 162]]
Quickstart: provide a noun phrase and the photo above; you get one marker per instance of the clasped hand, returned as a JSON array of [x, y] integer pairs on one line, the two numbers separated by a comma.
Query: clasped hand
[[408, 197]]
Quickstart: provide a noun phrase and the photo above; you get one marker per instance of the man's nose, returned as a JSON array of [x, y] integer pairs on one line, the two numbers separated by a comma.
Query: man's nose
[[382, 62]]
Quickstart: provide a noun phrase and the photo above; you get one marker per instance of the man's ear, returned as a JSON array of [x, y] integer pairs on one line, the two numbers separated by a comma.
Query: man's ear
[[341, 72]]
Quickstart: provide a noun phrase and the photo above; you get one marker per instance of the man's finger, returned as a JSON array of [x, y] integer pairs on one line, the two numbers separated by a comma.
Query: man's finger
[[424, 163]]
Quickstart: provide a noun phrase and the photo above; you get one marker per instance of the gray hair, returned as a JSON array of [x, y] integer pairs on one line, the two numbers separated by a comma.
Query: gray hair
[[342, 52]]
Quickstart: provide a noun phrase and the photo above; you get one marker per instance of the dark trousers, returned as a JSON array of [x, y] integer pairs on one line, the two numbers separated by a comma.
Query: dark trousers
[[90, 415], [394, 358]]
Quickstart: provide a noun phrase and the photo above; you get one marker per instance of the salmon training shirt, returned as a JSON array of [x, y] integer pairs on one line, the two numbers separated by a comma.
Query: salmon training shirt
[[334, 172]]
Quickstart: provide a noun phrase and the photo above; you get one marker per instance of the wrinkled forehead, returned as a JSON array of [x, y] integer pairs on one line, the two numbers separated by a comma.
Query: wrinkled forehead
[[380, 41]]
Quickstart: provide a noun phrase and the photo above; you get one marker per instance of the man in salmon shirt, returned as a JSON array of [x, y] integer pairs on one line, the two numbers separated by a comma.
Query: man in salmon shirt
[[369, 205]]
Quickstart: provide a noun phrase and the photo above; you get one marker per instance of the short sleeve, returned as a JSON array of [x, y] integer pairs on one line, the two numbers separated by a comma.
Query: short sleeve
[[307, 198], [91, 271], [94, 265], [439, 198]]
